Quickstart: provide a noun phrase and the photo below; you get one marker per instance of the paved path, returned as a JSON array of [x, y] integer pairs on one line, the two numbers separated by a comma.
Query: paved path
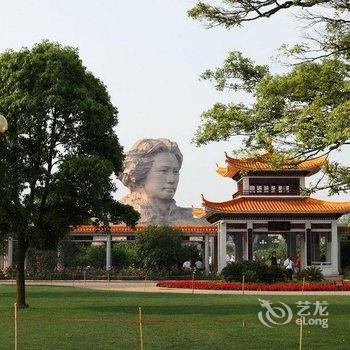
[[150, 287]]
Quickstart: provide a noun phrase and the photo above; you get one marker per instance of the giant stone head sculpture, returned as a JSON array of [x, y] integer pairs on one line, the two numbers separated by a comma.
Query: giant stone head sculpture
[[151, 172]]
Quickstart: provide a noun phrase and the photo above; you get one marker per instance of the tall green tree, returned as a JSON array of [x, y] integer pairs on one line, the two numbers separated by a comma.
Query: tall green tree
[[159, 247], [59, 153], [329, 19], [305, 112]]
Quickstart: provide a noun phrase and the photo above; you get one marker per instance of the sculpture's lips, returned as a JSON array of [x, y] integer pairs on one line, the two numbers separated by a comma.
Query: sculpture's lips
[[169, 189]]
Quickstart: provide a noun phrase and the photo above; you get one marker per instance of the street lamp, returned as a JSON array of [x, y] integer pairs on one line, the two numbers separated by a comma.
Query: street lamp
[[3, 124]]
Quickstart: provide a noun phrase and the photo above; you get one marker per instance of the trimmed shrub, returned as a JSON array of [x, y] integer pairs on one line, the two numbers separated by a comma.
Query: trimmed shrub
[[275, 274], [233, 272], [253, 271]]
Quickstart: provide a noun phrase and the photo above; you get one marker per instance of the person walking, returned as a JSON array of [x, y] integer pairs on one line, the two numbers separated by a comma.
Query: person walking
[[187, 265], [297, 264], [199, 265], [273, 258], [289, 265]]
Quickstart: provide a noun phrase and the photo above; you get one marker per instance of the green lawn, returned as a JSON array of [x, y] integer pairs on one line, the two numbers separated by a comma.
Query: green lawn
[[70, 318]]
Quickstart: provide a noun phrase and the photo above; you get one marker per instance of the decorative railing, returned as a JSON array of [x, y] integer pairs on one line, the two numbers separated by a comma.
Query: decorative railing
[[321, 263], [270, 193]]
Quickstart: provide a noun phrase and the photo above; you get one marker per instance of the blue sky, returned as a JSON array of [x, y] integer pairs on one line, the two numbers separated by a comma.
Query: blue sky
[[150, 55]]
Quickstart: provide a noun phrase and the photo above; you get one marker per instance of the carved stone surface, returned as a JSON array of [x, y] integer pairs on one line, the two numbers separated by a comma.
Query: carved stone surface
[[151, 172]]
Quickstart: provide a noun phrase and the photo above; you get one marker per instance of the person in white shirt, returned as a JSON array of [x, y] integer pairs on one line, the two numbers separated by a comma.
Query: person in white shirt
[[186, 265], [289, 265], [199, 265]]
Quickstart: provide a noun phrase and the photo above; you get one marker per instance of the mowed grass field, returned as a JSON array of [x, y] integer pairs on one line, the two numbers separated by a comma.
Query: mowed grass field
[[72, 318]]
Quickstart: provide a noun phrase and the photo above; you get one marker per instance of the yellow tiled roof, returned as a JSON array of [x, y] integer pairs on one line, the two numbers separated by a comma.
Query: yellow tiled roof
[[277, 205]]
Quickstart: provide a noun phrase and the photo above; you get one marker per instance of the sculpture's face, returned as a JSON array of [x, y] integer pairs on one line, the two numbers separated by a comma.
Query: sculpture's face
[[163, 177]]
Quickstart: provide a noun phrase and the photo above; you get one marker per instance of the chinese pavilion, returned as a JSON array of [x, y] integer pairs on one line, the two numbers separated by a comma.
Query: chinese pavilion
[[272, 201]]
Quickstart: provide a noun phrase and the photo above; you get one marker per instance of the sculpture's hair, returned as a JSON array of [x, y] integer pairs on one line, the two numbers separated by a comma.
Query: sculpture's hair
[[138, 161]]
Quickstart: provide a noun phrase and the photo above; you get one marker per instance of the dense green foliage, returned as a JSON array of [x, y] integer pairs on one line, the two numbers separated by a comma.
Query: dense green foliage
[[78, 258], [160, 247], [73, 318], [72, 254], [344, 220], [253, 271], [123, 255], [263, 252], [60, 151], [346, 270], [275, 274], [95, 255], [189, 252], [41, 262], [304, 111], [345, 257], [311, 274]]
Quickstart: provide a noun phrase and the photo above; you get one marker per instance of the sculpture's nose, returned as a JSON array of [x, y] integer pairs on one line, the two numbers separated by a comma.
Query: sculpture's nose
[[171, 178]]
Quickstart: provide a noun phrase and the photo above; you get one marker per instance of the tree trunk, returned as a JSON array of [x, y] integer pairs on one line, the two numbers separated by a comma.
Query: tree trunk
[[21, 291]]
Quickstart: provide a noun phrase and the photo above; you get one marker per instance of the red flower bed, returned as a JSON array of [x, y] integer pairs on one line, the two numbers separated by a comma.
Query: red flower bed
[[287, 287]]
